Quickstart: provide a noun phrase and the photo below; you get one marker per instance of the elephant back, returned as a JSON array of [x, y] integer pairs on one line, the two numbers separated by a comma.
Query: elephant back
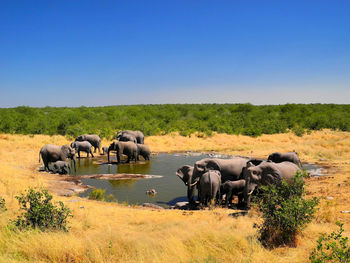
[[288, 170]]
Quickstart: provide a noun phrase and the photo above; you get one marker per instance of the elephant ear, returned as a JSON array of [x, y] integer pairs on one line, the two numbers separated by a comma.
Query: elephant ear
[[184, 173], [250, 164], [112, 145], [213, 165], [271, 175], [65, 148]]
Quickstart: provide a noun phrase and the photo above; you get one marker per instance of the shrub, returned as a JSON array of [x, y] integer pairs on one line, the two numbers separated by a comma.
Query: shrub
[[333, 248], [285, 212], [2, 205], [97, 194], [298, 131], [100, 195], [40, 212]]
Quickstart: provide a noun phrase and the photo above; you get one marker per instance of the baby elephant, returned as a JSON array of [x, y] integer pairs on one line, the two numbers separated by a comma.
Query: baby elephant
[[84, 146], [144, 151], [232, 188], [104, 150], [209, 186], [61, 167]]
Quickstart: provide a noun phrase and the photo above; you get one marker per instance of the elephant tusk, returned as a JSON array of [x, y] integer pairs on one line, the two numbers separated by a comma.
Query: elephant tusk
[[250, 192], [191, 185]]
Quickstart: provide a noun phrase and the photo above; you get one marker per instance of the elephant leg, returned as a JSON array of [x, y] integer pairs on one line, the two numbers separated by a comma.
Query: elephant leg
[[46, 165], [240, 200], [78, 154], [91, 154], [229, 197]]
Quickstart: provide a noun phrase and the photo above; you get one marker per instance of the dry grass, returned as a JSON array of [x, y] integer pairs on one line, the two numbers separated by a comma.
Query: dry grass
[[108, 232]]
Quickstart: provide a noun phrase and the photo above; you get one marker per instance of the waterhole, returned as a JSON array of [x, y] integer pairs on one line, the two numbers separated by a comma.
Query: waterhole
[[170, 189]]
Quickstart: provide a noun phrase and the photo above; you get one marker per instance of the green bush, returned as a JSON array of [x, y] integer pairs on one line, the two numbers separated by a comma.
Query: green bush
[[298, 131], [97, 194], [332, 248], [2, 205], [40, 212], [285, 212], [100, 195]]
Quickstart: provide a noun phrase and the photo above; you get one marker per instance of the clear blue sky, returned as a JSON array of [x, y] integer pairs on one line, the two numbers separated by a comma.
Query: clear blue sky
[[93, 53]]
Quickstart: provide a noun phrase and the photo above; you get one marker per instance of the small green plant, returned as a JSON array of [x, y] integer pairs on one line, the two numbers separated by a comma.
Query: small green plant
[[285, 212], [2, 205], [40, 212], [97, 194], [298, 131], [332, 248]]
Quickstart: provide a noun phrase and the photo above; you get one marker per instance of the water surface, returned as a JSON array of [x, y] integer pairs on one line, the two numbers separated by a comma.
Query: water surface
[[170, 189]]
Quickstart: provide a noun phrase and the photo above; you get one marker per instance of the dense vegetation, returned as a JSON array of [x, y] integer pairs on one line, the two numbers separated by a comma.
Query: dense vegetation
[[244, 119]]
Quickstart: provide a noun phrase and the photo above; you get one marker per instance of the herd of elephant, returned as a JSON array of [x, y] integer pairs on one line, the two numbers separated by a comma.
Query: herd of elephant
[[130, 143], [215, 178], [212, 177]]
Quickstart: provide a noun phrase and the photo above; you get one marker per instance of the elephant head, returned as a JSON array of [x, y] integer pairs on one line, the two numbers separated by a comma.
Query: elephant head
[[112, 147], [185, 173], [69, 152], [265, 173], [73, 145]]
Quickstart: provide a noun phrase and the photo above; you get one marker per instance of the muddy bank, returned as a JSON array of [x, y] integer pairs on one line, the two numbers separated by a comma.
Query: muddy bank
[[72, 185]]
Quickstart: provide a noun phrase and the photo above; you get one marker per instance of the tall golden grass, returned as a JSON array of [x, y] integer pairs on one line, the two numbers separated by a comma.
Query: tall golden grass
[[110, 232]]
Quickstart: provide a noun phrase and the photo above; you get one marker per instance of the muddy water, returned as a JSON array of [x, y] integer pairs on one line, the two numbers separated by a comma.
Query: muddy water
[[170, 189]]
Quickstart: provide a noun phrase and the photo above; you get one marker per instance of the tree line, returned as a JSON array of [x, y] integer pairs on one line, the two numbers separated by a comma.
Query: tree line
[[246, 119]]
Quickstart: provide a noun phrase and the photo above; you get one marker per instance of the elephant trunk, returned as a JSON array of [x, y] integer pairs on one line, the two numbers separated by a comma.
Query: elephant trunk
[[108, 154], [190, 191]]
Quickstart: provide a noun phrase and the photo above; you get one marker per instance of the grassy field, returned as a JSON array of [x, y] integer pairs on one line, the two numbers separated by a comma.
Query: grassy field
[[111, 232]]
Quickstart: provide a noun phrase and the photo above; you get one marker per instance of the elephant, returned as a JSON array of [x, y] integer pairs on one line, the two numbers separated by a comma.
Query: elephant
[[144, 151], [84, 146], [209, 186], [127, 148], [267, 173], [104, 150], [232, 188], [126, 137], [277, 157], [61, 167], [94, 139], [185, 173], [140, 138], [52, 153]]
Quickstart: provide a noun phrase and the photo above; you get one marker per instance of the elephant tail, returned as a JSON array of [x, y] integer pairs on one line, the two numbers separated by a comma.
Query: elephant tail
[[39, 156]]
